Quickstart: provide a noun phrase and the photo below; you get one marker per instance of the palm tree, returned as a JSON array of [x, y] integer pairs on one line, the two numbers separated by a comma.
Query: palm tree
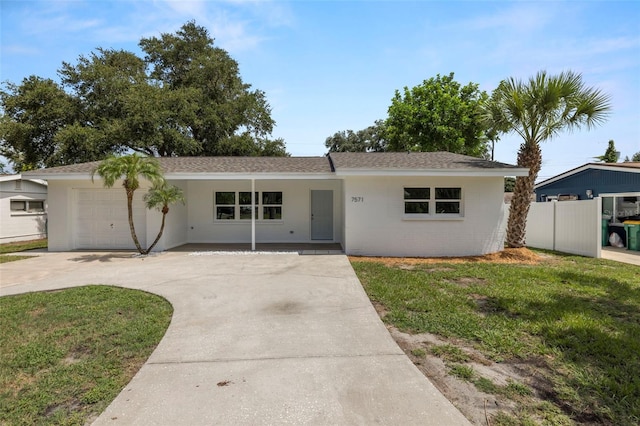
[[129, 168], [538, 110], [159, 197]]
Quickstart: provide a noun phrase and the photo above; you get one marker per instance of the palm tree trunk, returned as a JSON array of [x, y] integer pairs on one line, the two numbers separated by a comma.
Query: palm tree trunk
[[165, 210], [131, 225], [529, 156]]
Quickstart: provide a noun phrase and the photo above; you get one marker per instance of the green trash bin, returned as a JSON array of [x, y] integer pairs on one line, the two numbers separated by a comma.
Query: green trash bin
[[605, 232], [632, 228]]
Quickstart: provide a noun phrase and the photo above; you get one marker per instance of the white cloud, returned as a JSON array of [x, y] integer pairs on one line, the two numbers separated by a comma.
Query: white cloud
[[520, 18], [17, 49], [189, 7]]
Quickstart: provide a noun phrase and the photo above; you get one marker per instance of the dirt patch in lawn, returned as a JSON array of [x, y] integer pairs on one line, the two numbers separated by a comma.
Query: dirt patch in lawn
[[429, 352], [508, 255], [481, 408]]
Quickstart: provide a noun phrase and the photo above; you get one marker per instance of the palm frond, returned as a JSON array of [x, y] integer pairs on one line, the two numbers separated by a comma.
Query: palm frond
[[162, 195]]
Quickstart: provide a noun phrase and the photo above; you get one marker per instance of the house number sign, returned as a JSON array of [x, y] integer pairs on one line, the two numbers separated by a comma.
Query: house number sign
[[357, 199]]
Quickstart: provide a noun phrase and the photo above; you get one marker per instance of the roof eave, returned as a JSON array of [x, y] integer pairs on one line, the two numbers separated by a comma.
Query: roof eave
[[197, 176], [60, 176], [435, 172], [248, 176]]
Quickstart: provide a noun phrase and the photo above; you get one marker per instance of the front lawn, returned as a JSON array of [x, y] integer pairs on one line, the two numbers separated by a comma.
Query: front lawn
[[18, 247], [65, 355], [573, 323]]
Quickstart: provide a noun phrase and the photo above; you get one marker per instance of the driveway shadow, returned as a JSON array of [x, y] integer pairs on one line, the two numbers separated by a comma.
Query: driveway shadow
[[106, 257]]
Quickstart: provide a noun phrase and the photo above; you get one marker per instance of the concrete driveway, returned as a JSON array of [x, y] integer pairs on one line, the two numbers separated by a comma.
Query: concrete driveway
[[255, 339]]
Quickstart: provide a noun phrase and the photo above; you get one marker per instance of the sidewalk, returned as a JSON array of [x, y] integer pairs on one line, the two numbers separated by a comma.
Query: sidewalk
[[621, 255]]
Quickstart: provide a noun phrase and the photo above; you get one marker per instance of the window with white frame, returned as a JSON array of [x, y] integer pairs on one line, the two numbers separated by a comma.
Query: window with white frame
[[225, 205], [245, 205], [272, 205], [432, 201], [416, 200], [448, 200], [27, 206], [236, 205]]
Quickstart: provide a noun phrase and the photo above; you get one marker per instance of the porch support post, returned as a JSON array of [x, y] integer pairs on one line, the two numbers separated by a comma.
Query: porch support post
[[253, 215]]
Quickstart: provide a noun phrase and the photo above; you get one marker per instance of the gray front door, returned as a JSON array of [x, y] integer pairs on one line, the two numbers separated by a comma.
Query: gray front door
[[321, 215]]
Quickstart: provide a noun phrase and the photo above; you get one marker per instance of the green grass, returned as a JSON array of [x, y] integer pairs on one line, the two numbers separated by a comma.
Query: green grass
[[449, 353], [65, 355], [580, 317], [18, 247]]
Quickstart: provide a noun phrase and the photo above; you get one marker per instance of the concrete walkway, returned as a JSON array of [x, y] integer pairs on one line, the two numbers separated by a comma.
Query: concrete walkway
[[255, 339], [621, 255]]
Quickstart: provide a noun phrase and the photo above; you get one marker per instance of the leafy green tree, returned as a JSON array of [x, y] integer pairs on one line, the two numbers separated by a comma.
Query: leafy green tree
[[226, 109], [32, 115], [438, 115], [185, 97], [636, 157], [371, 139], [509, 184], [159, 197], [123, 106], [129, 169], [538, 110], [610, 155]]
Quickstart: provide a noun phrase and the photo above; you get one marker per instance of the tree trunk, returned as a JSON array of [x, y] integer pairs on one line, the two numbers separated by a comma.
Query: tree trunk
[[165, 210], [131, 225], [529, 156]]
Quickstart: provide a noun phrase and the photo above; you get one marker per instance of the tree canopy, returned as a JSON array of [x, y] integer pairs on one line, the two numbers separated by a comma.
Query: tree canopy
[[438, 115], [371, 139], [184, 97]]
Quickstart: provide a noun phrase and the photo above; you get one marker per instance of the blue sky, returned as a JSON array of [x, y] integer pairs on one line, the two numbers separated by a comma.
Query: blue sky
[[327, 66]]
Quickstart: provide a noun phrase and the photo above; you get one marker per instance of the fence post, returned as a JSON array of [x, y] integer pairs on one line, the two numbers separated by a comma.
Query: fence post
[[553, 222], [598, 204]]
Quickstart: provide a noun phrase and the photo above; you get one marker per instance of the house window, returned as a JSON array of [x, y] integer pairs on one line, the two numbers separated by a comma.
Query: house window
[[27, 206], [245, 205], [272, 205], [225, 205], [432, 201], [448, 200], [416, 200], [237, 205]]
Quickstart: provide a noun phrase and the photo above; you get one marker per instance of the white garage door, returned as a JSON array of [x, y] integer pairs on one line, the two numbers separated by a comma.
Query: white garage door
[[102, 222]]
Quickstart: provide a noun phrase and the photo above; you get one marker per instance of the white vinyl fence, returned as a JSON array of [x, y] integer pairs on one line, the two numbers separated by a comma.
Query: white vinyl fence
[[567, 226]]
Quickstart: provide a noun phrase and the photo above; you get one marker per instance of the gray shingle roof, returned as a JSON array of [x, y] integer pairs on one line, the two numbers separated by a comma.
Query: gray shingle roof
[[184, 165], [335, 162], [411, 161]]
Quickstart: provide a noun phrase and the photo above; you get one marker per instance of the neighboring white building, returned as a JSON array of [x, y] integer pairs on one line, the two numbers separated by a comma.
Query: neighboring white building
[[23, 209], [382, 204]]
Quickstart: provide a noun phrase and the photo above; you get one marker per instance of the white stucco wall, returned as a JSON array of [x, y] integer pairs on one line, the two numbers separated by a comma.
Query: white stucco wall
[[296, 211], [375, 223], [21, 226]]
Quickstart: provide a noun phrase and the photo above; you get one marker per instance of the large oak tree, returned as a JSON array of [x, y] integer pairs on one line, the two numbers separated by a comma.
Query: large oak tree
[[184, 97]]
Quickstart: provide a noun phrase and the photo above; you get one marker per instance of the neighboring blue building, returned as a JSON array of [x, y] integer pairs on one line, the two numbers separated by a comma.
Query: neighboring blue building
[[591, 180], [618, 184]]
